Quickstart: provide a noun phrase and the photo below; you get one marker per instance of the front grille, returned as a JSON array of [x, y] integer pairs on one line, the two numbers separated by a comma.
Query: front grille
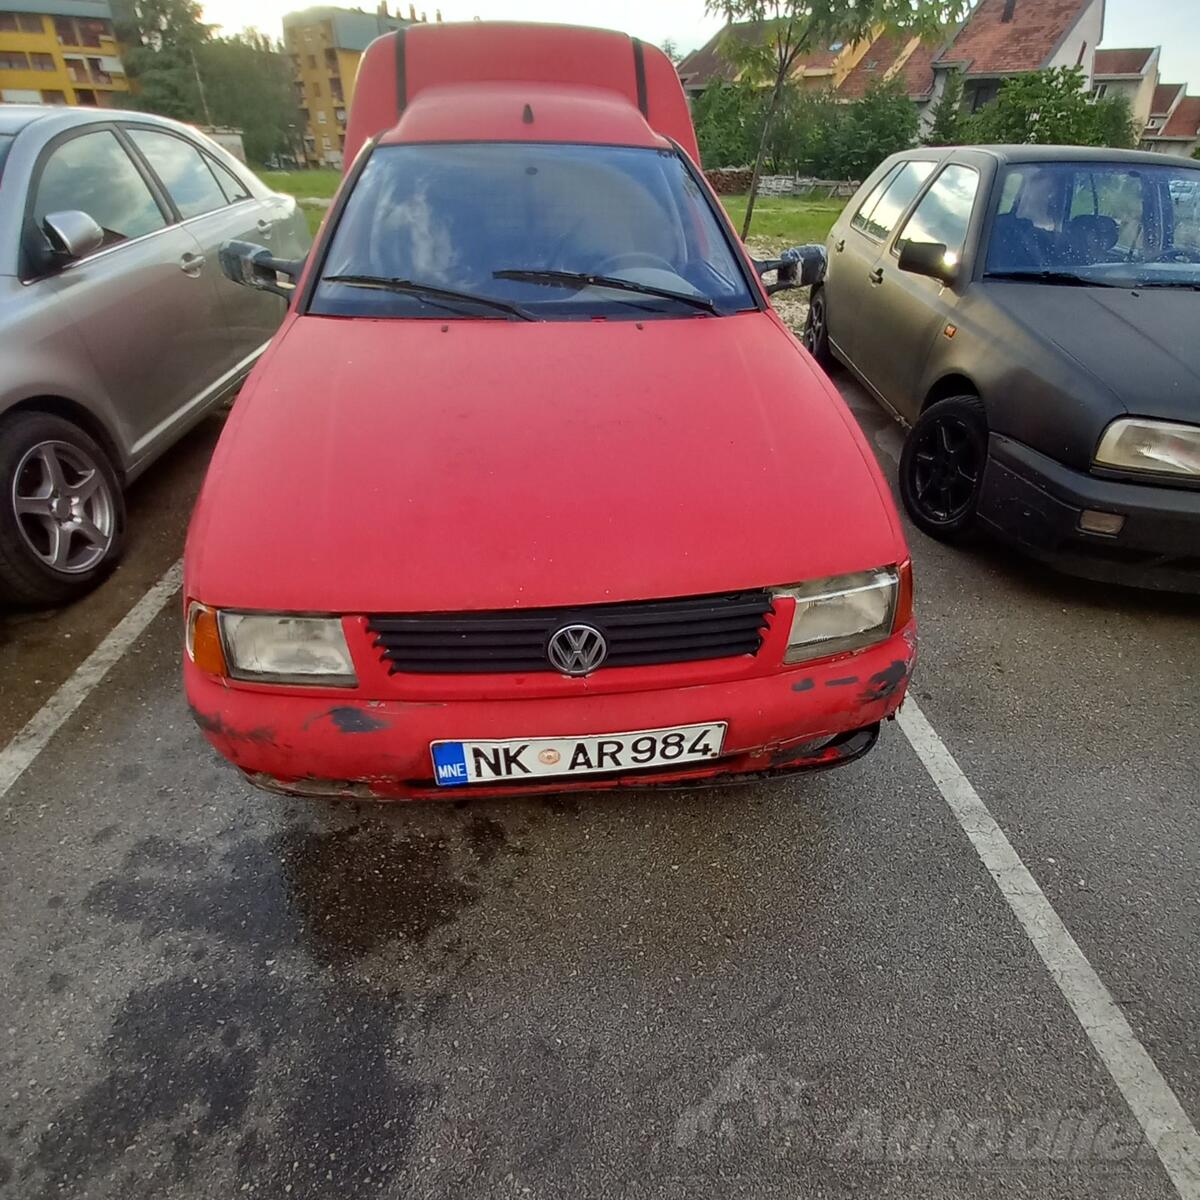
[[639, 634]]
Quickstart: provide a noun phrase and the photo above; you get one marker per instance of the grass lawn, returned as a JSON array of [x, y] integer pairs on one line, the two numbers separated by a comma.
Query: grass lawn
[[786, 219], [777, 219]]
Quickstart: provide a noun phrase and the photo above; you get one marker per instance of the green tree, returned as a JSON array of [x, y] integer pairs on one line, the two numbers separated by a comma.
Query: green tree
[[804, 130], [1053, 107], [671, 50], [163, 37], [885, 121], [248, 82], [767, 38], [948, 127], [726, 119]]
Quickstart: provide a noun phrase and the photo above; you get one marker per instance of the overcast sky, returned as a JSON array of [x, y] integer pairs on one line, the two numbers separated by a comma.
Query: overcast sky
[[1173, 24]]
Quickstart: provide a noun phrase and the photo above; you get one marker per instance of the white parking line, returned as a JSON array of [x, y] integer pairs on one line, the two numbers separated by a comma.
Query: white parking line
[[1147, 1093], [50, 718]]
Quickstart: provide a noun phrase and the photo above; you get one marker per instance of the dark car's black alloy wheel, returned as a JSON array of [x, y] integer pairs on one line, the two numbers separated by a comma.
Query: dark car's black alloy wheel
[[946, 469], [942, 467]]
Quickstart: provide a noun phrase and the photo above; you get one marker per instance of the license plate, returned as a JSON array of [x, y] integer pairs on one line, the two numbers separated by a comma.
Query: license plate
[[458, 763]]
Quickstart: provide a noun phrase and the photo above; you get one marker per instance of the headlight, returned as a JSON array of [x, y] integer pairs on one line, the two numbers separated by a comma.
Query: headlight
[[843, 613], [1136, 444], [270, 648]]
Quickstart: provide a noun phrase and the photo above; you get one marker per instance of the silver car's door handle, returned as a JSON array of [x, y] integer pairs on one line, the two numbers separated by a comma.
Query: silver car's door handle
[[876, 276], [192, 264], [265, 227], [840, 245]]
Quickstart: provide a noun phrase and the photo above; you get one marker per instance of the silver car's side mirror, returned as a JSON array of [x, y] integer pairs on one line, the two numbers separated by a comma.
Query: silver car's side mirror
[[931, 259], [256, 267], [72, 234], [801, 266]]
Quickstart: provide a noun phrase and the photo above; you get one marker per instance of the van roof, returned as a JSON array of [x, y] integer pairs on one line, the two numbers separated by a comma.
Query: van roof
[[516, 81]]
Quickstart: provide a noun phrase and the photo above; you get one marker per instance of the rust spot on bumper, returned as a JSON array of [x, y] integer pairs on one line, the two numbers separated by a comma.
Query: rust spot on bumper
[[212, 724], [886, 683]]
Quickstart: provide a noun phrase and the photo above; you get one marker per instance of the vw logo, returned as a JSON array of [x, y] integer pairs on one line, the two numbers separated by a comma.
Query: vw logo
[[576, 649]]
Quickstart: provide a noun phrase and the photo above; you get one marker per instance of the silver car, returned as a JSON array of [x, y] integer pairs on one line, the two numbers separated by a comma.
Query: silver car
[[119, 329]]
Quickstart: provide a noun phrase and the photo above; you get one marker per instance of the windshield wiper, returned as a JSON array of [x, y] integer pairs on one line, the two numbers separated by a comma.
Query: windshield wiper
[[1165, 283], [409, 287], [566, 278], [1066, 278]]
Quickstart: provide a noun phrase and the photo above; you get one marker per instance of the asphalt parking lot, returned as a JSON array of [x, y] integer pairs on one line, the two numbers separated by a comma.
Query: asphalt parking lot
[[965, 966]]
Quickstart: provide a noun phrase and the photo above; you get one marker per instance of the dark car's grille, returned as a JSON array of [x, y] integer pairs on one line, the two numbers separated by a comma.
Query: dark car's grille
[[638, 634]]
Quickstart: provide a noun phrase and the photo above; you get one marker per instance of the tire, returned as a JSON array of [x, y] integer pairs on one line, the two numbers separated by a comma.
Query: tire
[[816, 329], [62, 514], [942, 466]]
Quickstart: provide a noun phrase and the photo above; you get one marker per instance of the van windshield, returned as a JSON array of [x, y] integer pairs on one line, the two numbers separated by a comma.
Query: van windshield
[[1095, 223], [532, 230]]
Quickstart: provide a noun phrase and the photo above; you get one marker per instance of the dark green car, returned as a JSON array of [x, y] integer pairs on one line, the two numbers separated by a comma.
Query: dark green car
[[1033, 312]]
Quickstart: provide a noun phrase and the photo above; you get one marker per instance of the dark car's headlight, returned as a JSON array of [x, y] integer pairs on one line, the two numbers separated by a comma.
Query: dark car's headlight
[[270, 647], [1140, 444], [845, 612]]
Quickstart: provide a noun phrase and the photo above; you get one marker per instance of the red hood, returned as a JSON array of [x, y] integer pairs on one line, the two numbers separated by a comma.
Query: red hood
[[403, 466]]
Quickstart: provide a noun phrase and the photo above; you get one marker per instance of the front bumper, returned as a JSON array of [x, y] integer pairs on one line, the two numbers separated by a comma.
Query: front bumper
[[317, 742], [1035, 502]]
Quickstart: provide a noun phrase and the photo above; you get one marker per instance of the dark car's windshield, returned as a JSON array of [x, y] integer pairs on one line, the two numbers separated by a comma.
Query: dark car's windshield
[[1111, 224], [520, 223]]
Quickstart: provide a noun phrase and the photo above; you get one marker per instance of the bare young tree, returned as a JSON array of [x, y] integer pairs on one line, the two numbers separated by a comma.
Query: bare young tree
[[766, 39]]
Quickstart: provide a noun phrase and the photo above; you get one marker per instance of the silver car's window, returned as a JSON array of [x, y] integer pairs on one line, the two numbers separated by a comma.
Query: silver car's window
[[897, 198], [93, 173], [944, 213], [233, 187], [183, 171], [867, 207]]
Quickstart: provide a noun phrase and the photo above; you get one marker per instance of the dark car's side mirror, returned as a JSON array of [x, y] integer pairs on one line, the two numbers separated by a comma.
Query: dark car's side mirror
[[256, 267], [801, 266], [931, 259], [72, 234]]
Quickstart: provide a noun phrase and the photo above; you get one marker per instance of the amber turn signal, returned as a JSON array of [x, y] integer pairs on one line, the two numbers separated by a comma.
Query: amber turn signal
[[904, 596], [204, 639]]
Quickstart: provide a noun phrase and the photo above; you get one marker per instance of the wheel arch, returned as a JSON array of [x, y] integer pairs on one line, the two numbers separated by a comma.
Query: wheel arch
[[953, 384], [77, 414]]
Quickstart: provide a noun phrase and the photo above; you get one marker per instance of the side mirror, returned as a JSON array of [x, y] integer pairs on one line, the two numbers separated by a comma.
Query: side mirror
[[72, 234], [256, 267], [931, 259], [801, 266]]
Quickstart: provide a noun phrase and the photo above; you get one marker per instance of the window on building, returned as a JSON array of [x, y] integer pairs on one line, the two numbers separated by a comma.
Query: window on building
[[93, 173], [64, 30], [42, 62], [77, 69], [13, 60], [340, 116], [85, 97], [316, 88], [91, 31], [53, 97], [331, 58], [1100, 90], [327, 143], [97, 71], [8, 22], [335, 89], [983, 95], [321, 117], [944, 214], [30, 23], [312, 60], [183, 170]]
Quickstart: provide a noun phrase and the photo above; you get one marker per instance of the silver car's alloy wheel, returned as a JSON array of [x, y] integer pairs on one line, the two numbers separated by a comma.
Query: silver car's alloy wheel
[[64, 509]]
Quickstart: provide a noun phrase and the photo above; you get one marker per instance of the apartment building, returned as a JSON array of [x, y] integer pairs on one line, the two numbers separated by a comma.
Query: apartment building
[[325, 45], [60, 52]]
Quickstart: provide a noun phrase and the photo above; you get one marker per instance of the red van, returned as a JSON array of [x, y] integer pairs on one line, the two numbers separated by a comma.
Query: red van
[[533, 490]]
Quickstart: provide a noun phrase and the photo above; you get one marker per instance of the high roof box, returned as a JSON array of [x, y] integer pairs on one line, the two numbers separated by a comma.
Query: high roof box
[[398, 67]]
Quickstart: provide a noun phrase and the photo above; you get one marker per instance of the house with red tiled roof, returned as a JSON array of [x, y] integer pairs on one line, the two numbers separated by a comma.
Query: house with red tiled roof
[[1132, 74], [824, 67], [1003, 38], [1179, 132]]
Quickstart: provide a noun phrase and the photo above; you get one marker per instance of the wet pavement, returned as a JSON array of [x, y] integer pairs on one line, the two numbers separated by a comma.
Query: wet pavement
[[810, 988]]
